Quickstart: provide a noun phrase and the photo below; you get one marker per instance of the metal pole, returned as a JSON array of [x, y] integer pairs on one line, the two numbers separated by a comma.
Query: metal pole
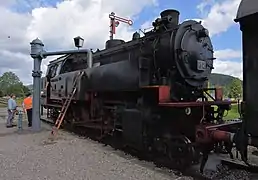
[[20, 121], [37, 53], [36, 49], [111, 29], [55, 53], [112, 23]]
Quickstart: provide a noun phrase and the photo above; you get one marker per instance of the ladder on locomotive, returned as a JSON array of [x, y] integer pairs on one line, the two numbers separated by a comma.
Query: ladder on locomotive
[[66, 105]]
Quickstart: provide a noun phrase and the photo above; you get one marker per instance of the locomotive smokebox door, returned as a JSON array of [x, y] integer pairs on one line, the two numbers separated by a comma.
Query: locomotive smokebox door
[[247, 16]]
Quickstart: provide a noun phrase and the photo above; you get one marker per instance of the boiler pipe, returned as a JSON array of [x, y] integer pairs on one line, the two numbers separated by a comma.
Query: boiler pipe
[[219, 135], [55, 53]]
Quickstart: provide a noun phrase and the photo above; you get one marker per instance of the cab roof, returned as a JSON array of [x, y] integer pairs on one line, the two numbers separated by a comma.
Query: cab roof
[[62, 58], [246, 8]]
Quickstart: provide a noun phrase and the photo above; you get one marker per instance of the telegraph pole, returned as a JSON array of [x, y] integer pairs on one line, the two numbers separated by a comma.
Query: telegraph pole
[[114, 22]]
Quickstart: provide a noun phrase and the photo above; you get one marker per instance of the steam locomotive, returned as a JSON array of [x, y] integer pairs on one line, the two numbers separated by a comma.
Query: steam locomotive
[[151, 92]]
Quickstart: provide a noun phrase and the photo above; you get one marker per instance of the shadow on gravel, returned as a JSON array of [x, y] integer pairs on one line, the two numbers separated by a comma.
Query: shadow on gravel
[[50, 139], [47, 142]]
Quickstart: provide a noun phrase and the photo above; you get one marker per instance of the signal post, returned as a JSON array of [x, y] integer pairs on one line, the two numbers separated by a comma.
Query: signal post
[[114, 22]]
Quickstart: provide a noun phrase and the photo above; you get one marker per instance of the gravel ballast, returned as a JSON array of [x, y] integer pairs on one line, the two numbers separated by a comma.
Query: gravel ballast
[[29, 156], [26, 156]]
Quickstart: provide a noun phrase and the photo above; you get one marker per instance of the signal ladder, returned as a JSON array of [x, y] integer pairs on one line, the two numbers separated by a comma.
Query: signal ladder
[[66, 105]]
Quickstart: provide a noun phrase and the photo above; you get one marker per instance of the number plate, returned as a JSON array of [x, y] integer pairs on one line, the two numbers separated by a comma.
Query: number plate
[[201, 65]]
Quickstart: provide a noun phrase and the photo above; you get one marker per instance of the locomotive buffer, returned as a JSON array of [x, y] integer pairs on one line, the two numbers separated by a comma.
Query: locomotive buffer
[[66, 105]]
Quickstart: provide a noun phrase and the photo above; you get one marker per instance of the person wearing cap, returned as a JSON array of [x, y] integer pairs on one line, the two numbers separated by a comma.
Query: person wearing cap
[[27, 107], [11, 109]]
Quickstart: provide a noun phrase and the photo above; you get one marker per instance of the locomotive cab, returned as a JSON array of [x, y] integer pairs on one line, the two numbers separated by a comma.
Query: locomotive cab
[[60, 76]]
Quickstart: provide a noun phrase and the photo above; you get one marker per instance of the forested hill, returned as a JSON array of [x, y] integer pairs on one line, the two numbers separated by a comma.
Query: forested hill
[[221, 79], [232, 86]]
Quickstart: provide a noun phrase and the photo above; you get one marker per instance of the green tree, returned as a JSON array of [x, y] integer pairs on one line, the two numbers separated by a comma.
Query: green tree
[[225, 91], [10, 83], [235, 88], [25, 89], [8, 79]]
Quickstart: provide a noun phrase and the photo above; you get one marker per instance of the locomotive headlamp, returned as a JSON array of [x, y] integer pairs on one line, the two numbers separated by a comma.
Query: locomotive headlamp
[[78, 41], [202, 33]]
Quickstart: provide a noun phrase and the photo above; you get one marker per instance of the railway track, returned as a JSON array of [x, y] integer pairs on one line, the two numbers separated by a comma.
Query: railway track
[[224, 170]]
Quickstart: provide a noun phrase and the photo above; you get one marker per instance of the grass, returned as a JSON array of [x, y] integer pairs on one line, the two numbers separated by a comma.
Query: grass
[[233, 113]]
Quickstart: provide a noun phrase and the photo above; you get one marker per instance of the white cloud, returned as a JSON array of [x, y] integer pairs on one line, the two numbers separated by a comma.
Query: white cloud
[[220, 16], [57, 27], [227, 54], [224, 64], [228, 67], [204, 4], [87, 18]]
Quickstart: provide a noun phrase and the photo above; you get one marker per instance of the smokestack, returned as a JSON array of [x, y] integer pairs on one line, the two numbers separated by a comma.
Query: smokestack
[[172, 17]]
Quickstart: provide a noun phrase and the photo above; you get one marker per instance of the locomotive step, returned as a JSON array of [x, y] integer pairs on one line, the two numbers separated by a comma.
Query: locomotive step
[[200, 103], [53, 105]]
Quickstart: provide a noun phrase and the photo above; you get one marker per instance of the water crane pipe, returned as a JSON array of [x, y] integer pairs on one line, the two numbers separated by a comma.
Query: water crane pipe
[[38, 54]]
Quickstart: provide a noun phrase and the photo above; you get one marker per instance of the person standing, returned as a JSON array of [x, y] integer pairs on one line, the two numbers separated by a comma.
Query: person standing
[[27, 107], [11, 109]]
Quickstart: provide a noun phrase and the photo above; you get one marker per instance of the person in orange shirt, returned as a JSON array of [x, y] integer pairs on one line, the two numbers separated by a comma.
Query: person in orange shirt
[[27, 107]]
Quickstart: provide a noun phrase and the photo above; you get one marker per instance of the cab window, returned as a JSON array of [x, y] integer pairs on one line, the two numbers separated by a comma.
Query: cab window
[[52, 71]]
